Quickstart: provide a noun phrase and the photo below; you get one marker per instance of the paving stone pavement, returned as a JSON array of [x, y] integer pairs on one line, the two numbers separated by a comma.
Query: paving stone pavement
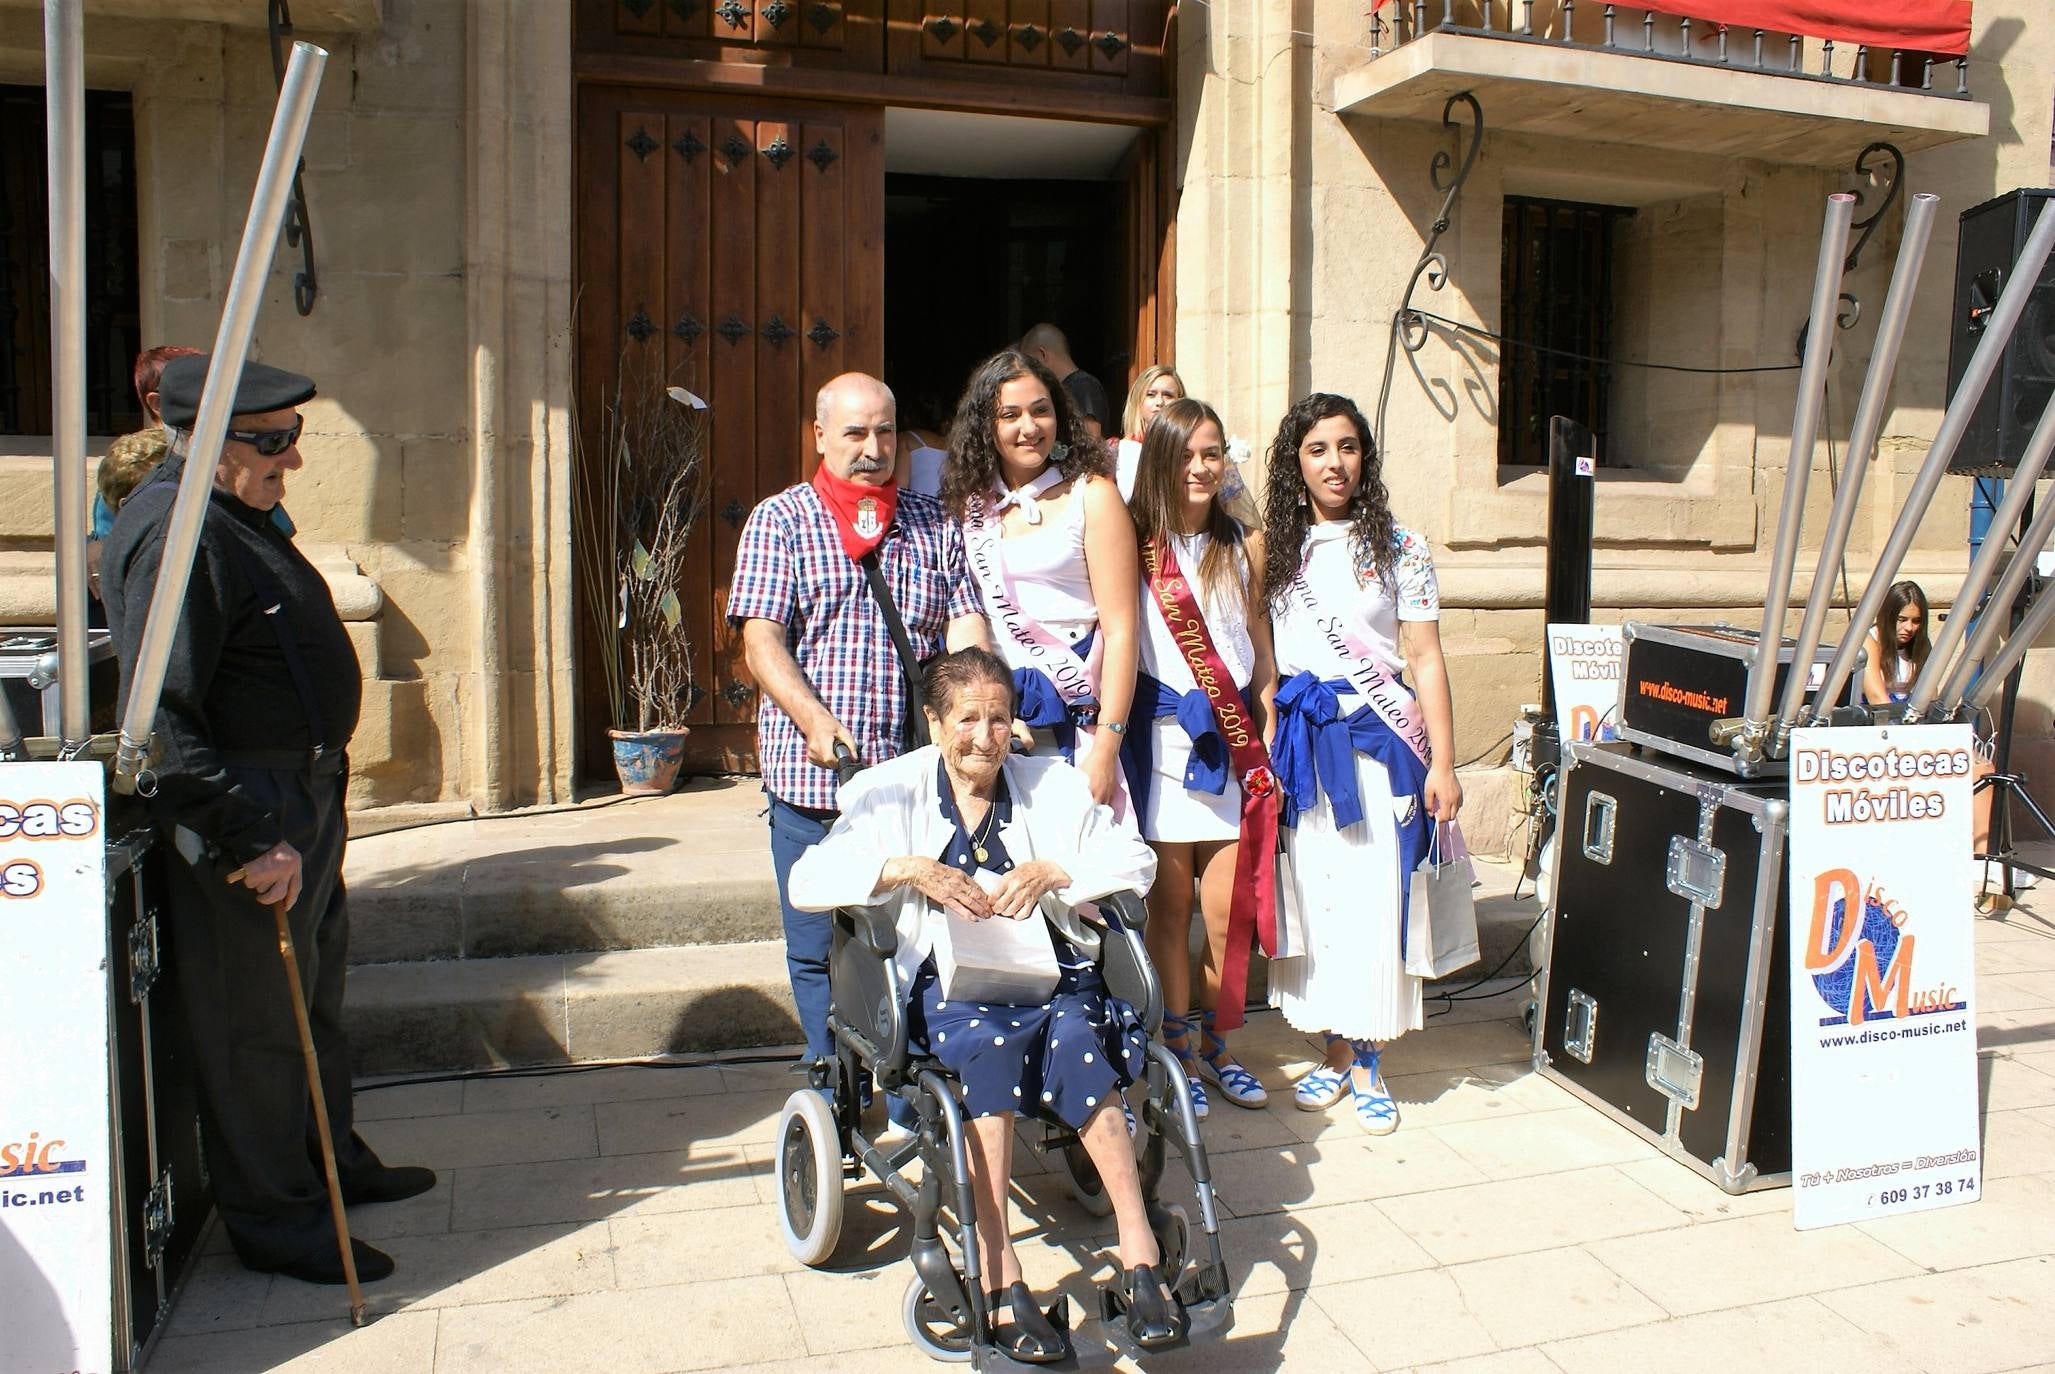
[[622, 1220]]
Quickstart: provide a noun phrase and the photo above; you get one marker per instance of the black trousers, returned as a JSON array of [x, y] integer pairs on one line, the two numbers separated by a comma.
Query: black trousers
[[255, 1117]]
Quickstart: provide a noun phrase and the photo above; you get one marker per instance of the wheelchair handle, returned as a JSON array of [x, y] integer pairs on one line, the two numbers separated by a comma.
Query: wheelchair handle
[[846, 766]]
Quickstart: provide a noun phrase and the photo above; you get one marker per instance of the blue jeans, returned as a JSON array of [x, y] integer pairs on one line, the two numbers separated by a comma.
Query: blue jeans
[[808, 934]]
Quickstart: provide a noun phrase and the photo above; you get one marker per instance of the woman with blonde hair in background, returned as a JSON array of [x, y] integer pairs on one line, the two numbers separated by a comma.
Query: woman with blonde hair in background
[[1155, 388]]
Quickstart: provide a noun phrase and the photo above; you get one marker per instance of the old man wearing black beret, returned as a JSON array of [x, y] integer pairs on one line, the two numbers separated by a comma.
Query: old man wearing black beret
[[259, 702]]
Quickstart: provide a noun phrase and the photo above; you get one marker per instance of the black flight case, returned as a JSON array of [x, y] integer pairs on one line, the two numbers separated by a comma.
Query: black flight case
[[1665, 997], [162, 1200]]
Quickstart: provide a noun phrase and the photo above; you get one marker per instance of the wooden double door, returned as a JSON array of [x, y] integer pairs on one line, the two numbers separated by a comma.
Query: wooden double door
[[738, 246], [735, 243]]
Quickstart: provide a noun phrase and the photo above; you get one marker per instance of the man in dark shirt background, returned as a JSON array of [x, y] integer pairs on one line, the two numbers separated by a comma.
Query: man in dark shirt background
[[260, 699], [1049, 346]]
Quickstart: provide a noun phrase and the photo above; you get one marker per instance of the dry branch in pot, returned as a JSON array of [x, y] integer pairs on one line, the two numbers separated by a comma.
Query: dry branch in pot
[[638, 500]]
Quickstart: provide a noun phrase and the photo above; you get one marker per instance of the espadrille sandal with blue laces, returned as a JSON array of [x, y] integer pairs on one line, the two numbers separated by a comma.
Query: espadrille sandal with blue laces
[[1236, 1083], [1376, 1112], [1322, 1088]]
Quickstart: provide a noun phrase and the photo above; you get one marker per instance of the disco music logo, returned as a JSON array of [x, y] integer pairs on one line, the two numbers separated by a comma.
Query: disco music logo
[[1863, 968]]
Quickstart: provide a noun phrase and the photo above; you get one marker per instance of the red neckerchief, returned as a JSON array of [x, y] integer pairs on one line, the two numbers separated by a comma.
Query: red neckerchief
[[1252, 910], [862, 513]]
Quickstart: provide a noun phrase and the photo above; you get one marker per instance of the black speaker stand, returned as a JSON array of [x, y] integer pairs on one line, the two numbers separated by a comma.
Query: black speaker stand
[[2007, 785]]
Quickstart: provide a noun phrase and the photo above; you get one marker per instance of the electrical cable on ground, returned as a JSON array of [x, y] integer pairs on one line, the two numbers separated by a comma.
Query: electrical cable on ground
[[592, 1066]]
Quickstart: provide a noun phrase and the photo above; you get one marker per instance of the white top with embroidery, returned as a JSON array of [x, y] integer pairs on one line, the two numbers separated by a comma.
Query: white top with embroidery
[[1407, 592], [1046, 565], [1226, 618]]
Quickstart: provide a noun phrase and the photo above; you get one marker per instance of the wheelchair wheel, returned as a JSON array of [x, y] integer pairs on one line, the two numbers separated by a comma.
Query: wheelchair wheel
[[1085, 1183], [809, 1177], [934, 1330]]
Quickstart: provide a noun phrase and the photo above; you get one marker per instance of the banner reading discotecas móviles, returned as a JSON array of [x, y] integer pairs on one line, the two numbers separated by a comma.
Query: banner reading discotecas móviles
[[1883, 1028]]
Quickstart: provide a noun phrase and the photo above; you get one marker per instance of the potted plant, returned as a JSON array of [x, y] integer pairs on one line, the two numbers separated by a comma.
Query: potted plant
[[639, 498]]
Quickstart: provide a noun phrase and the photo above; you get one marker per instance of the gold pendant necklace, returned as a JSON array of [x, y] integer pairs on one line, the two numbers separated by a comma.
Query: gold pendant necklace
[[977, 841]]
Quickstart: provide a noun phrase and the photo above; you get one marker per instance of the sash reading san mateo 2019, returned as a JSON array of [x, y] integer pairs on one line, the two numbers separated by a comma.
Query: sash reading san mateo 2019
[[1901, 770]]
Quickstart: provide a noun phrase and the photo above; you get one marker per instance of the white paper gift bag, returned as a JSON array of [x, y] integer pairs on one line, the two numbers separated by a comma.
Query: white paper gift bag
[[997, 959], [1441, 910], [1291, 918]]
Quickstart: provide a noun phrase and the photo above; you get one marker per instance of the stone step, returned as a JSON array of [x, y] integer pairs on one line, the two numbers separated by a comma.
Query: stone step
[[691, 868], [421, 1016]]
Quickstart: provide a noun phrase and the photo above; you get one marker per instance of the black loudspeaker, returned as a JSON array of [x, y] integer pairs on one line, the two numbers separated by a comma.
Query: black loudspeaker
[[1990, 239]]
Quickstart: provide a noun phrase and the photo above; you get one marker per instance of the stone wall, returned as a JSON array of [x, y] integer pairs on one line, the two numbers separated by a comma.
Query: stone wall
[[1298, 230], [437, 176]]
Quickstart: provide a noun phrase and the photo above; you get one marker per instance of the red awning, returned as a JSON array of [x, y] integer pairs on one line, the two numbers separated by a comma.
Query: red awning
[[1937, 26]]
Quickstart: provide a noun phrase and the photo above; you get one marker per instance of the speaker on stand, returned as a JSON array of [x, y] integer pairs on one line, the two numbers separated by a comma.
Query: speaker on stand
[[1989, 240]]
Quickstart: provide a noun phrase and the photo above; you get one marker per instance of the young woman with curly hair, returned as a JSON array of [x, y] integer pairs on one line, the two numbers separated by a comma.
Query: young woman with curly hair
[[1187, 797], [1052, 549], [1353, 604]]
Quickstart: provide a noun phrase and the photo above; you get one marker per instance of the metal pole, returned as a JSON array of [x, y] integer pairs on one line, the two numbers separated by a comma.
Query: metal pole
[[2006, 659], [1862, 446], [2026, 274], [1998, 609], [2019, 491], [1805, 423], [217, 401], [64, 63]]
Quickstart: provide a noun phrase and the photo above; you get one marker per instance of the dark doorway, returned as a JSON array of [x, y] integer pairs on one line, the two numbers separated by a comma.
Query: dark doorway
[[971, 263]]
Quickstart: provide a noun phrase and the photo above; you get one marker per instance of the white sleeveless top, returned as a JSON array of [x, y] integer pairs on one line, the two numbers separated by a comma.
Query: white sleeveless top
[[1046, 565], [1226, 617]]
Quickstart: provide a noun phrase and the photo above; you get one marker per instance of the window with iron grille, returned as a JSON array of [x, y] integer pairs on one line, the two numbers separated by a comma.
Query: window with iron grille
[[1556, 299], [113, 321]]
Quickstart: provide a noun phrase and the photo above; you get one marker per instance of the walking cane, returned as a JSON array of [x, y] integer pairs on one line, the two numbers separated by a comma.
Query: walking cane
[[335, 1197]]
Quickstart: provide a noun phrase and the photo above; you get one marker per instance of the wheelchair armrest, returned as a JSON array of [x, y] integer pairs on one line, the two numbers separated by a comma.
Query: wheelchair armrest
[[875, 927], [1128, 906]]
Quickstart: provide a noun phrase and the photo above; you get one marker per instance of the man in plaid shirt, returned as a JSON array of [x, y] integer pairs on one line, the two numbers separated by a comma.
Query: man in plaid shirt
[[816, 643]]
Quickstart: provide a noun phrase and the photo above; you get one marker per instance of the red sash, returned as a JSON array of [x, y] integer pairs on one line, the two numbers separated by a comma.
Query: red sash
[[1253, 911]]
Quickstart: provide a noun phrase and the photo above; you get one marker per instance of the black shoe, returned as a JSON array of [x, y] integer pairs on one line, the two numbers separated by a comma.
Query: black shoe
[[1031, 1337], [325, 1265], [389, 1183], [1155, 1318]]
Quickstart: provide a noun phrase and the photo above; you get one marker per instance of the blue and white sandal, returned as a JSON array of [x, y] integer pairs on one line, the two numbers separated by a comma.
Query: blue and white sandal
[[1321, 1088], [1376, 1112], [1236, 1083], [1179, 1028]]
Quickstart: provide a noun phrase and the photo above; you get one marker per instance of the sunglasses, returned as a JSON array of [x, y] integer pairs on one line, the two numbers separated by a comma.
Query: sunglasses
[[269, 442]]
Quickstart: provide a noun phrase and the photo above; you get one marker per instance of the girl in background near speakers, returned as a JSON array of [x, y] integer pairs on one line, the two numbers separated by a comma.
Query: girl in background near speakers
[[1052, 550], [1363, 762], [1156, 387], [1187, 799], [1897, 645]]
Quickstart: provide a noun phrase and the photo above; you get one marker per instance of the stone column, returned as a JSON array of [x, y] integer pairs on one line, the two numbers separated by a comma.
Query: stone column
[[517, 268]]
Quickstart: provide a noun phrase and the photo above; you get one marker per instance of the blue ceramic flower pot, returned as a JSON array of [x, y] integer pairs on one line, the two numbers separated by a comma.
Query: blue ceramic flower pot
[[648, 761]]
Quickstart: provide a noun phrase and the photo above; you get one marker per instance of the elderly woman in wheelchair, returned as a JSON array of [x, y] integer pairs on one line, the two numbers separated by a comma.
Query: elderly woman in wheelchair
[[931, 852]]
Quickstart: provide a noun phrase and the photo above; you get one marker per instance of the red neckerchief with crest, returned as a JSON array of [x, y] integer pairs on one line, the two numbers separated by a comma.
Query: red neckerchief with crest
[[862, 513]]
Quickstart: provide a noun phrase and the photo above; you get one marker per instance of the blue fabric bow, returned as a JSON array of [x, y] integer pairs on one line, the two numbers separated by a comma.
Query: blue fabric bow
[[1316, 748], [1207, 771], [1038, 703]]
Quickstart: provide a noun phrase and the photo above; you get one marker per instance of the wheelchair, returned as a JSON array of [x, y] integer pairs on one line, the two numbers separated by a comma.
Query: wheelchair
[[821, 1147]]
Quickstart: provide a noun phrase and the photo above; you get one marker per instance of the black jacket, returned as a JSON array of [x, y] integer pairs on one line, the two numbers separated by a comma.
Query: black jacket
[[227, 688]]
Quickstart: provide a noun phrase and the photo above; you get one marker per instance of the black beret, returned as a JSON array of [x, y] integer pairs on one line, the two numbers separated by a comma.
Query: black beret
[[261, 389]]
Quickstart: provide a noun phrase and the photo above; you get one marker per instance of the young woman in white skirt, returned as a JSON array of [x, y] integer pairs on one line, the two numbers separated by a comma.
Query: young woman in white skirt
[[1186, 796], [1365, 763]]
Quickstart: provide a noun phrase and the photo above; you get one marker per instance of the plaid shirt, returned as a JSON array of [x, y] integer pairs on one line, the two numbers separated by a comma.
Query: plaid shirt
[[790, 567]]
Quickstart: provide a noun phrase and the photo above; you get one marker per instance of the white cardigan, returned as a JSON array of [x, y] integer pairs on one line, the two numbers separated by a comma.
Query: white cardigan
[[893, 810]]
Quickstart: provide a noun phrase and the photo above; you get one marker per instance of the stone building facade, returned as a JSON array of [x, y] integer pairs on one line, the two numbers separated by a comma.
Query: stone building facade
[[443, 177]]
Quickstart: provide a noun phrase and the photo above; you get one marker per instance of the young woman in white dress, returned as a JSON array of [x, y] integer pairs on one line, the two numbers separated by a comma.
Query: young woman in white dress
[[1352, 600], [1185, 794], [1156, 387], [1052, 549]]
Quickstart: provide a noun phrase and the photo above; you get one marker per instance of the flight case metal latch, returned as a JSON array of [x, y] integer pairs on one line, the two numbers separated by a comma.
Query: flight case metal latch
[[144, 957], [1674, 1071], [157, 1219]]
